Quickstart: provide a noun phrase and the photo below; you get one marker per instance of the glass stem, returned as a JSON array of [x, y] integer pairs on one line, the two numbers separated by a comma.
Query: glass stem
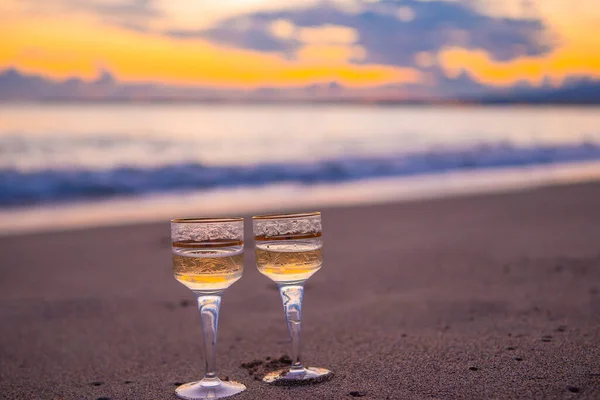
[[209, 317], [291, 295]]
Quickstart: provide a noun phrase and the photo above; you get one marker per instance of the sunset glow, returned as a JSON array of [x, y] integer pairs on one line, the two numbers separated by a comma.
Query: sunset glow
[[62, 43]]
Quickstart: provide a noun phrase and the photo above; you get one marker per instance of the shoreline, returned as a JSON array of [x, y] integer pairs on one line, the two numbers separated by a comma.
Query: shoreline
[[248, 200]]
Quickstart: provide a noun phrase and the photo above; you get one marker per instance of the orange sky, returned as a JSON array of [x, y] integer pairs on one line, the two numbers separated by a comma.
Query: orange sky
[[577, 30], [62, 44]]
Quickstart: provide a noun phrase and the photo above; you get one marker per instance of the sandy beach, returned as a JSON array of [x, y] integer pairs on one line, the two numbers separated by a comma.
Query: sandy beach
[[490, 296]]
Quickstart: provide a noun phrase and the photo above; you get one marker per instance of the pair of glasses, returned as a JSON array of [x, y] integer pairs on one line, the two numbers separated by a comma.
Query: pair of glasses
[[208, 257]]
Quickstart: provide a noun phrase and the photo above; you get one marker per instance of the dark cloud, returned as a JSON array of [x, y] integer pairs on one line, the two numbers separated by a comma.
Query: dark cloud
[[248, 32], [17, 86], [391, 32], [256, 38]]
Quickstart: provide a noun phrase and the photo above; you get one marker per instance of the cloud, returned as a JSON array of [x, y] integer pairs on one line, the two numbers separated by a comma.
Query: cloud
[[328, 34], [119, 8], [282, 29], [17, 86], [125, 13], [245, 34], [405, 14], [389, 32]]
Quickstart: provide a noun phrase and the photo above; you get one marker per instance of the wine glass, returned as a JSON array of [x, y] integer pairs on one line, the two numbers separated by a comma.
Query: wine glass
[[289, 250], [208, 257]]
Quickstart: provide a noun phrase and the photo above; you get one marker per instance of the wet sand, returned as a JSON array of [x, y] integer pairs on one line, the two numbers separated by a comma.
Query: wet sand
[[491, 296]]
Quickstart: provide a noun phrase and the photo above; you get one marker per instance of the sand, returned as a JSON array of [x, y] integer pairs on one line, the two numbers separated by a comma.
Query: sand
[[492, 296]]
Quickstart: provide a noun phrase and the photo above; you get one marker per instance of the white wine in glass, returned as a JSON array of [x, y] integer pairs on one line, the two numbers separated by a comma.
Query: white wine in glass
[[208, 257], [289, 250], [288, 261], [206, 267]]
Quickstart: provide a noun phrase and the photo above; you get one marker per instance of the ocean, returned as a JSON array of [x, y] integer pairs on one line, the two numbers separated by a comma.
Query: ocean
[[88, 164]]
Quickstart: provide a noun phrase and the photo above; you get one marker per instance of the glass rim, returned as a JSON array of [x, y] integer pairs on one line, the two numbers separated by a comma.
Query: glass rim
[[287, 216], [207, 220]]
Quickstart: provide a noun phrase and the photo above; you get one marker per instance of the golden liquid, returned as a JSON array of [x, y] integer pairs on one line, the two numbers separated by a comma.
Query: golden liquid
[[207, 268], [289, 261]]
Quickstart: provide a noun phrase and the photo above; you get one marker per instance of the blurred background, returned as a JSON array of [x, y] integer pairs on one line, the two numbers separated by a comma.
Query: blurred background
[[137, 110]]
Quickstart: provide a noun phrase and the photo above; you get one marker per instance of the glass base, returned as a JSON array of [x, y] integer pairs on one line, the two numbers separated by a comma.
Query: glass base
[[209, 389], [304, 376]]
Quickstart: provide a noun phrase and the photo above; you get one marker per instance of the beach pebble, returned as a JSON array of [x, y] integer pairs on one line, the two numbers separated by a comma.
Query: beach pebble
[[185, 303], [356, 393], [251, 364], [546, 338]]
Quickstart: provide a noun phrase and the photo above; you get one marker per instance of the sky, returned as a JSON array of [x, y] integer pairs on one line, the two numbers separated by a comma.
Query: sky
[[284, 43]]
